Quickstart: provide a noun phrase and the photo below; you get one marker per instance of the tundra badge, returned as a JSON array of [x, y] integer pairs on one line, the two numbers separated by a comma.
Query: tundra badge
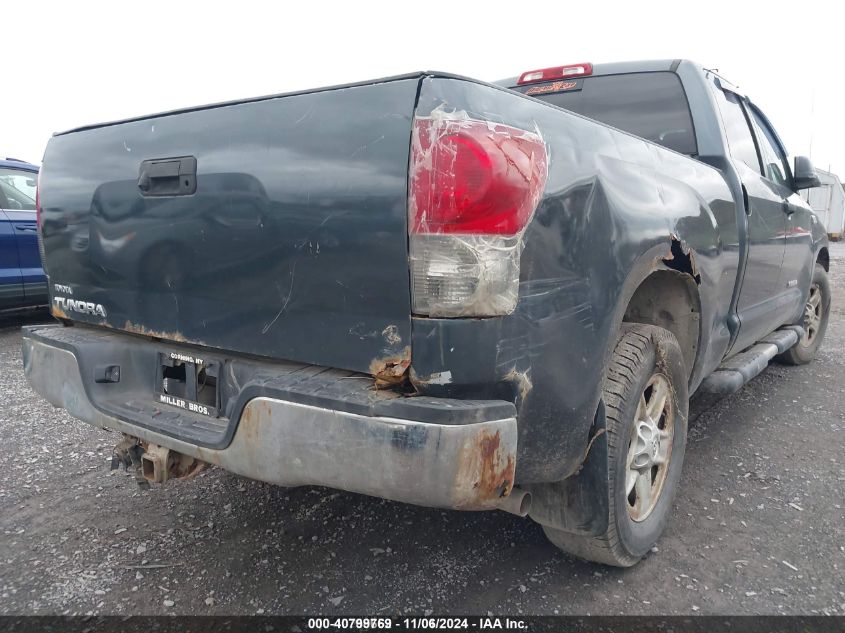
[[83, 307]]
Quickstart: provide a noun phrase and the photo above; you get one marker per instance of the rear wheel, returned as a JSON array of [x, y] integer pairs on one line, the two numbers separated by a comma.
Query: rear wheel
[[646, 404], [816, 313]]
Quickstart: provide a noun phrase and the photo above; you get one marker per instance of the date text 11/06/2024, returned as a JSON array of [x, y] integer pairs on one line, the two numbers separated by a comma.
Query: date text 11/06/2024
[[426, 623]]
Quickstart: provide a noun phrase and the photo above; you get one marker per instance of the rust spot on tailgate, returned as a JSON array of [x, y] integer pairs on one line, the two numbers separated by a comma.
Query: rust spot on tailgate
[[392, 370], [57, 312], [177, 337], [486, 470]]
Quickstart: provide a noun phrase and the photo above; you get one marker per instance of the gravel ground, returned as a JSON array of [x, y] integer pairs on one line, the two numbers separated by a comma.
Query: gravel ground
[[757, 527]]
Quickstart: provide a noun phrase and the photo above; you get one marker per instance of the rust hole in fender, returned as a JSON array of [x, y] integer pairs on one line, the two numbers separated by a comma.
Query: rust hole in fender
[[681, 258]]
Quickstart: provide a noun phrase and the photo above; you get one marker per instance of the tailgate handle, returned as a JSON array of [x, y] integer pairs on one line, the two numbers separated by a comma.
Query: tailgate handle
[[168, 176]]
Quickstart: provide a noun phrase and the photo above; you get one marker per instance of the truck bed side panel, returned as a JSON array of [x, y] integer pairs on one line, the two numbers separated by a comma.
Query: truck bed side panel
[[615, 209]]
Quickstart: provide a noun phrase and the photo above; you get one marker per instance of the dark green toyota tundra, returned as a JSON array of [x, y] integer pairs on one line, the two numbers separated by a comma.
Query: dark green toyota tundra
[[432, 289]]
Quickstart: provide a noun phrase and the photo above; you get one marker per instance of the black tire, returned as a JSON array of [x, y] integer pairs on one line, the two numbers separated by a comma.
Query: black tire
[[643, 352], [805, 349]]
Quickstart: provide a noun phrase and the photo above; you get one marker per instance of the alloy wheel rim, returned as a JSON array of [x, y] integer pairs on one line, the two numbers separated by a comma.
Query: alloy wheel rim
[[812, 315], [649, 448]]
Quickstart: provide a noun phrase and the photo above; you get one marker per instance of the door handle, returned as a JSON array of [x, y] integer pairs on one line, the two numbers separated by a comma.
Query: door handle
[[26, 227]]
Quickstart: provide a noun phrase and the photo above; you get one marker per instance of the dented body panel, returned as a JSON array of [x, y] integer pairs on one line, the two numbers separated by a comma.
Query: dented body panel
[[615, 208], [293, 245], [294, 262], [294, 428]]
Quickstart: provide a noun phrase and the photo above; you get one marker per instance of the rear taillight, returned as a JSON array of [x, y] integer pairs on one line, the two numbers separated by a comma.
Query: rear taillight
[[474, 186], [39, 225]]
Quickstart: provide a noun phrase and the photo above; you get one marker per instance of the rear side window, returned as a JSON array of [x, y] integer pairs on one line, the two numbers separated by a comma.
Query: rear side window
[[774, 161], [740, 140], [651, 105]]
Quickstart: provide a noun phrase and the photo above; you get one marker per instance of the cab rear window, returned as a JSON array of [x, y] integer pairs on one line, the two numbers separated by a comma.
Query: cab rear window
[[651, 105]]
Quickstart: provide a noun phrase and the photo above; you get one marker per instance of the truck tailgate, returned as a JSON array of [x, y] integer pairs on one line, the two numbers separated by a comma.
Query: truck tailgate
[[275, 227]]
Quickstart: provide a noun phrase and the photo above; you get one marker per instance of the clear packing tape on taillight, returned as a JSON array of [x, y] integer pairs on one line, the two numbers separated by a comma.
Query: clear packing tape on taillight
[[474, 187], [465, 275]]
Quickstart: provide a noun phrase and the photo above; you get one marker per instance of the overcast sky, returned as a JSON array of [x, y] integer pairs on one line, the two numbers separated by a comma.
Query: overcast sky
[[72, 63]]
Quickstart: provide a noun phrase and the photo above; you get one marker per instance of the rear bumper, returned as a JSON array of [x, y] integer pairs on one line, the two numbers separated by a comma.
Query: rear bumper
[[276, 434]]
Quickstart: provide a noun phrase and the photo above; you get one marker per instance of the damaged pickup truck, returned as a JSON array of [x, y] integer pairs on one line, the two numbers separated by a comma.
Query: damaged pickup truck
[[432, 289]]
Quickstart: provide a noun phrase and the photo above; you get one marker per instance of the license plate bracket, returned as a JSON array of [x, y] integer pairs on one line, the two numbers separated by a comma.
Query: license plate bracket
[[188, 382]]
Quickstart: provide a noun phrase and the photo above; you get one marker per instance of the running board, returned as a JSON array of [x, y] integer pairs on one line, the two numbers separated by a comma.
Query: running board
[[732, 374]]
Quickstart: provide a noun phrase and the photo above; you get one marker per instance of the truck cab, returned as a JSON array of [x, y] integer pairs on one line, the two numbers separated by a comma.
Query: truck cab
[[694, 111]]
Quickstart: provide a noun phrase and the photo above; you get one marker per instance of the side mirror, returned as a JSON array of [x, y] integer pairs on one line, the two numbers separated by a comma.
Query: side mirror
[[804, 176]]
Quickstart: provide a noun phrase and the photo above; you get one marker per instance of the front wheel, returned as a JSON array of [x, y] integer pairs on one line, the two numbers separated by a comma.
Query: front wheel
[[816, 313], [646, 403]]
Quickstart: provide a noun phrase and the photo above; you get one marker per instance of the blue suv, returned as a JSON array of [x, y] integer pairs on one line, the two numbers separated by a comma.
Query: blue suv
[[22, 280]]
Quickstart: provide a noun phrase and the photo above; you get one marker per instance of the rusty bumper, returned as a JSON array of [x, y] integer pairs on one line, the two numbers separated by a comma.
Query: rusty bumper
[[460, 466]]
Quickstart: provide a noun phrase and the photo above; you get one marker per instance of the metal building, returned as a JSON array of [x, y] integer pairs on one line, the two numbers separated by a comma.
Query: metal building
[[828, 201]]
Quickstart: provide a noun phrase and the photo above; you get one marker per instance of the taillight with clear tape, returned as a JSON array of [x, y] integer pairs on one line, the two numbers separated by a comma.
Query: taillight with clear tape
[[39, 225], [474, 187]]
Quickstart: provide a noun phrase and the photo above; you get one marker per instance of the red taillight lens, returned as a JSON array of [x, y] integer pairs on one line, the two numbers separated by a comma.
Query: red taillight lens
[[555, 72], [474, 186], [476, 177], [452, 192]]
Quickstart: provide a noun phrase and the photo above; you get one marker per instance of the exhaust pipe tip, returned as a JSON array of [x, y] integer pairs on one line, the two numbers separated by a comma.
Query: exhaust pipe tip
[[518, 502]]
